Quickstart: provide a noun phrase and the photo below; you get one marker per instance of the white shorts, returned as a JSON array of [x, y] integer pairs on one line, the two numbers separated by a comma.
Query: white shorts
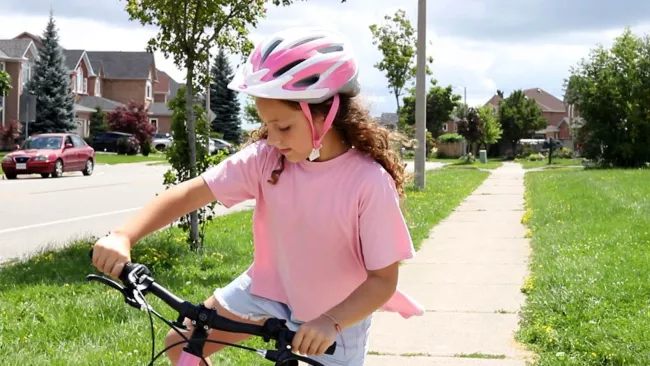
[[237, 298]]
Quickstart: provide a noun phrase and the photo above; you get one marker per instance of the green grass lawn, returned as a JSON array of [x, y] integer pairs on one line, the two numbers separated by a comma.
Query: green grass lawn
[[51, 315], [554, 163], [103, 158], [590, 285]]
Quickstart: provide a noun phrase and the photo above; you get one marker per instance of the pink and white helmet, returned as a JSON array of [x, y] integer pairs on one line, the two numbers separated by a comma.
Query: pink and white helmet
[[299, 64], [306, 65]]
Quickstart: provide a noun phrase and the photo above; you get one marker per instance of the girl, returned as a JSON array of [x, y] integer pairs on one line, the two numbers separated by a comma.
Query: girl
[[328, 230]]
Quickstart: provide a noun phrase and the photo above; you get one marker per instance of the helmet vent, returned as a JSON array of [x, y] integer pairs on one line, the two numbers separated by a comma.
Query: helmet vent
[[329, 49], [286, 68], [308, 81], [270, 49], [306, 40]]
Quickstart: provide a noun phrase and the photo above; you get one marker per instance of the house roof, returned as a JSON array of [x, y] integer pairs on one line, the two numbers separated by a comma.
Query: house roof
[[123, 65], [37, 39], [72, 58], [546, 101], [159, 109], [494, 100], [92, 101], [15, 48]]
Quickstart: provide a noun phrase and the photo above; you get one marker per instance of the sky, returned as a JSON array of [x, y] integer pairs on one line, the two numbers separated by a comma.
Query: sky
[[477, 45]]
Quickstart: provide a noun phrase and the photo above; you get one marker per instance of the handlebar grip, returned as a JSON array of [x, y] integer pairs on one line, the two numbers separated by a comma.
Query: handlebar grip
[[128, 267]]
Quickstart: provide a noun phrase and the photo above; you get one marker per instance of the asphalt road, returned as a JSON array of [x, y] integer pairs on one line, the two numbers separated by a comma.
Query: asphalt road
[[38, 213]]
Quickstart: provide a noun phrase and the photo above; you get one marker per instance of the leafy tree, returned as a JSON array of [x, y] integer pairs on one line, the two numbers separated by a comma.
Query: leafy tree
[[471, 128], [186, 33], [98, 121], [441, 102], [132, 119], [223, 101], [520, 117], [611, 89], [397, 41], [250, 112], [492, 130], [5, 83], [178, 157], [51, 85]]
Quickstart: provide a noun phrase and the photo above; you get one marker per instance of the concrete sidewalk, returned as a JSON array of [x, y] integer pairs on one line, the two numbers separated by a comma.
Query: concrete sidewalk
[[468, 276]]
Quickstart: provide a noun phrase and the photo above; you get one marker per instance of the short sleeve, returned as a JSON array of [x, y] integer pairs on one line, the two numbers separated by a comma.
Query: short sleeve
[[236, 179], [383, 232]]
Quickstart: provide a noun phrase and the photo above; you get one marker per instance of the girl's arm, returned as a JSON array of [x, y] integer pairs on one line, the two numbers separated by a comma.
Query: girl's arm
[[315, 336], [166, 208], [373, 293], [112, 252]]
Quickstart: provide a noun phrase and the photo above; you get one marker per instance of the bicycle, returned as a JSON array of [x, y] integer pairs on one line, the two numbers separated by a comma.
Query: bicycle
[[138, 282]]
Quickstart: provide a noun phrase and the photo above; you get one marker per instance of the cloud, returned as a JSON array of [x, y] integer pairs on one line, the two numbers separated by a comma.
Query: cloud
[[479, 47]]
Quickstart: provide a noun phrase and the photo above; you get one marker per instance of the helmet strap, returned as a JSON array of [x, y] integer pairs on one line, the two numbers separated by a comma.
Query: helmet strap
[[329, 120]]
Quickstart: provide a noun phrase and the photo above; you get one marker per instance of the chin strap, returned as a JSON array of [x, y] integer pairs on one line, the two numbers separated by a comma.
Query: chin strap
[[329, 120]]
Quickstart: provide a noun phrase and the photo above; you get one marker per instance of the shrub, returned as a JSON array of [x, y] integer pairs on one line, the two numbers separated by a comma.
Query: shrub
[[563, 153], [450, 138], [535, 157], [126, 146], [146, 147]]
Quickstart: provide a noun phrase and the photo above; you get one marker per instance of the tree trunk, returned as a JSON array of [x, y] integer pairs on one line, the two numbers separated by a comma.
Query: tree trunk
[[191, 140]]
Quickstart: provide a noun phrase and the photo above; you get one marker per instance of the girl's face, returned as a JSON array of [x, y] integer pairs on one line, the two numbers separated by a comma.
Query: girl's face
[[288, 128]]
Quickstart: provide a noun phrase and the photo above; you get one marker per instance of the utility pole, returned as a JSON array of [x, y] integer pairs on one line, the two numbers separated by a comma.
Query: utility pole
[[420, 96], [465, 90], [207, 106]]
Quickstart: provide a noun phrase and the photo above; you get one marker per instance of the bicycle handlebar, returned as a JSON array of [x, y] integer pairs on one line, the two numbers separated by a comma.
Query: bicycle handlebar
[[138, 276]]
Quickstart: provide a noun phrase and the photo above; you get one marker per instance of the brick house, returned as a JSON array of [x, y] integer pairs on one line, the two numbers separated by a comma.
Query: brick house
[[557, 113], [17, 58], [109, 79]]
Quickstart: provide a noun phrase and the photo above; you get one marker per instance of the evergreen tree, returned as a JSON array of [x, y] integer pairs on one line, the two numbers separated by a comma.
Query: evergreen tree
[[223, 101], [98, 122], [51, 85]]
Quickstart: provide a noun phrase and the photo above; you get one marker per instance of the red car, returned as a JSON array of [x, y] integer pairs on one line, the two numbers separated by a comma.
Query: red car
[[50, 153]]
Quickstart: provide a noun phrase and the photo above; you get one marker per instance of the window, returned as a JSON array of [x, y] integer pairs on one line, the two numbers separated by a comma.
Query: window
[[98, 87], [154, 122], [68, 140], [79, 79], [86, 85], [148, 89], [26, 72], [77, 141], [444, 127]]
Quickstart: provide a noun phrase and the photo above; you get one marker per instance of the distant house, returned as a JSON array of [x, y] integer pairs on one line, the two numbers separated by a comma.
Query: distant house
[[388, 120], [559, 115], [107, 79], [17, 58]]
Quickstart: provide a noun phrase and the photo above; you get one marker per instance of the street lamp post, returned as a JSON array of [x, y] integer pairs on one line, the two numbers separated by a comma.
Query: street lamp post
[[420, 96]]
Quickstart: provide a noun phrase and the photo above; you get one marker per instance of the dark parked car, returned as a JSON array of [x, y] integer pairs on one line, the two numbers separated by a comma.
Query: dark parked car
[[107, 141], [50, 153]]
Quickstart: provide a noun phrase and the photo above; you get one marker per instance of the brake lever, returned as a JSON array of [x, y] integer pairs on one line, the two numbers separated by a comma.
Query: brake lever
[[106, 281], [133, 298]]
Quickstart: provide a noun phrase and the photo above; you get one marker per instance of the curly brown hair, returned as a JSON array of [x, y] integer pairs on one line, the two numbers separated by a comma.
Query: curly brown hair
[[358, 129]]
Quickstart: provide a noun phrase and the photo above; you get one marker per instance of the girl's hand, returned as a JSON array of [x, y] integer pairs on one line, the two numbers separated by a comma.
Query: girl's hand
[[111, 253], [314, 337]]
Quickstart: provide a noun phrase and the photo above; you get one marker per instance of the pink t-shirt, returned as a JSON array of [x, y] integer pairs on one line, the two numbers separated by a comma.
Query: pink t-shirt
[[319, 229]]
